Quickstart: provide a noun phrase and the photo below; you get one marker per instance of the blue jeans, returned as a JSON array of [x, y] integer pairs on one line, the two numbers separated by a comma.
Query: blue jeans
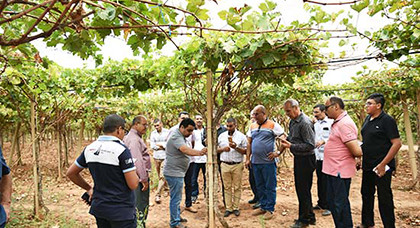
[[338, 200], [266, 182], [175, 192]]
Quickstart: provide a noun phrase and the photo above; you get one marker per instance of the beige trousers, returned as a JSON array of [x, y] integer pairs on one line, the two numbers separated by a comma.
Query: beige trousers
[[232, 180]]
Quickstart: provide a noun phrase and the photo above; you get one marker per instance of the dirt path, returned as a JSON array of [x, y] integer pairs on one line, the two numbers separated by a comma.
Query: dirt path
[[63, 199]]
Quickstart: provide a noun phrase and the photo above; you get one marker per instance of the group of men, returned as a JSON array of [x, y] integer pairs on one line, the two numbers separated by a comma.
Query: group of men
[[120, 164]]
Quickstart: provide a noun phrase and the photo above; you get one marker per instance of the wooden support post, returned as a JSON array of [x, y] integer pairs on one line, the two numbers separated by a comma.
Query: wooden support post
[[410, 142], [37, 204], [209, 115]]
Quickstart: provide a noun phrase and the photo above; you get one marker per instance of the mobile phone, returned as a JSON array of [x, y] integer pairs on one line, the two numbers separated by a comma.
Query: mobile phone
[[230, 139], [85, 198]]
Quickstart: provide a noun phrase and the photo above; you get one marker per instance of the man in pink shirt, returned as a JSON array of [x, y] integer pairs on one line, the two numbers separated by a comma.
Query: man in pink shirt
[[339, 161], [133, 140]]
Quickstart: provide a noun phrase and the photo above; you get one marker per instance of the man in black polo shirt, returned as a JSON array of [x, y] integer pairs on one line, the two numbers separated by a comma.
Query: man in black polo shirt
[[381, 142], [114, 176]]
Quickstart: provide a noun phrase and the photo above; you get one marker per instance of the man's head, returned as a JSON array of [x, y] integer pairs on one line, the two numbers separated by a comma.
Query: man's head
[[334, 106], [140, 124], [231, 125], [199, 121], [114, 125], [259, 113], [375, 103], [291, 107], [183, 115], [186, 127], [157, 124], [319, 111]]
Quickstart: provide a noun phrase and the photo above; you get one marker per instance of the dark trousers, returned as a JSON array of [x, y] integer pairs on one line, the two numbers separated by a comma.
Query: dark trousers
[[252, 183], [338, 201], [188, 185], [104, 223], [142, 203], [321, 185], [385, 199], [304, 167], [196, 171]]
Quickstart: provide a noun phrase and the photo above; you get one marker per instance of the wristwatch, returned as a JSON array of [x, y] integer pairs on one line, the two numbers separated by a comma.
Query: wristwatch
[[278, 152]]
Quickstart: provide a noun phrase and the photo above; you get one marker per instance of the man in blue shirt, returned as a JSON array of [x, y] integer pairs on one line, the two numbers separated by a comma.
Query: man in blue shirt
[[114, 176], [5, 191]]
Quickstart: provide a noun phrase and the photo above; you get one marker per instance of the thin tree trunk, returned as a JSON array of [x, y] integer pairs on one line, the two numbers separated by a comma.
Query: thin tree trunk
[[18, 154], [66, 148], [1, 138], [59, 149], [15, 142], [410, 142], [81, 137]]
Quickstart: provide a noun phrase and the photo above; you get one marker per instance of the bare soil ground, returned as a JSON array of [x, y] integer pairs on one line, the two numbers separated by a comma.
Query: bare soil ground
[[63, 198]]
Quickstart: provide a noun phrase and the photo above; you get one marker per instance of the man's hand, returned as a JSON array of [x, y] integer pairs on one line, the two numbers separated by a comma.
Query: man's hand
[[272, 155], [90, 193], [232, 145], [226, 149], [161, 147], [203, 151], [247, 163], [285, 143], [319, 143], [380, 170], [358, 163], [145, 186]]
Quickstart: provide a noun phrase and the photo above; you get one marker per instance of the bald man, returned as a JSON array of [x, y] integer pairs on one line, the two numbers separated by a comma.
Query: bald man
[[134, 141]]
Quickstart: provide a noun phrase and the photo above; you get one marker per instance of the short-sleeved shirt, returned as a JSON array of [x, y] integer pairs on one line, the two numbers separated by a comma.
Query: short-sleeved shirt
[[198, 145], [176, 162], [377, 135], [108, 159], [233, 155], [263, 140], [158, 138], [322, 132], [302, 136], [4, 170], [338, 160]]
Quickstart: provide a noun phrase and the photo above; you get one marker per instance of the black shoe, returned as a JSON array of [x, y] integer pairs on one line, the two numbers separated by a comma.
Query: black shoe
[[257, 205], [236, 212], [183, 220], [312, 221], [227, 213], [253, 201], [299, 224]]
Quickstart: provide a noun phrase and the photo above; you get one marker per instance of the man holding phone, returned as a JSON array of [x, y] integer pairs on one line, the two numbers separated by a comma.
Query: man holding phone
[[232, 146]]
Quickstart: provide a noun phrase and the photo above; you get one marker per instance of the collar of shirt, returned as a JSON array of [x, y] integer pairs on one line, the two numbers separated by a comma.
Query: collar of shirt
[[378, 117], [323, 120], [109, 138], [299, 118], [341, 116], [134, 131]]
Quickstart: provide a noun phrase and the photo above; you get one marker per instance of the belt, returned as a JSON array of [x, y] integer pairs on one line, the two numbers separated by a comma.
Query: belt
[[231, 163]]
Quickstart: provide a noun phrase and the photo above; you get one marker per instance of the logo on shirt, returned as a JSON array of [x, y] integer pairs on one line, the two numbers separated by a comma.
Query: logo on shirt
[[98, 151], [128, 161]]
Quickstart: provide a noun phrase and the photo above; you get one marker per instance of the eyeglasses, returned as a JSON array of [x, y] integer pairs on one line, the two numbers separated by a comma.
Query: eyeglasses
[[369, 103], [125, 130], [326, 107]]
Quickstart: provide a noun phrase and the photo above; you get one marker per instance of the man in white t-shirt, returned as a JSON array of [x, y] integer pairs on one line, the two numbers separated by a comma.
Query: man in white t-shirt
[[198, 162]]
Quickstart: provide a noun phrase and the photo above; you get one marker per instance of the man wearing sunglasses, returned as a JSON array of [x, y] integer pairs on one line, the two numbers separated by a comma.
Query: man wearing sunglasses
[[177, 163], [339, 165], [261, 143]]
